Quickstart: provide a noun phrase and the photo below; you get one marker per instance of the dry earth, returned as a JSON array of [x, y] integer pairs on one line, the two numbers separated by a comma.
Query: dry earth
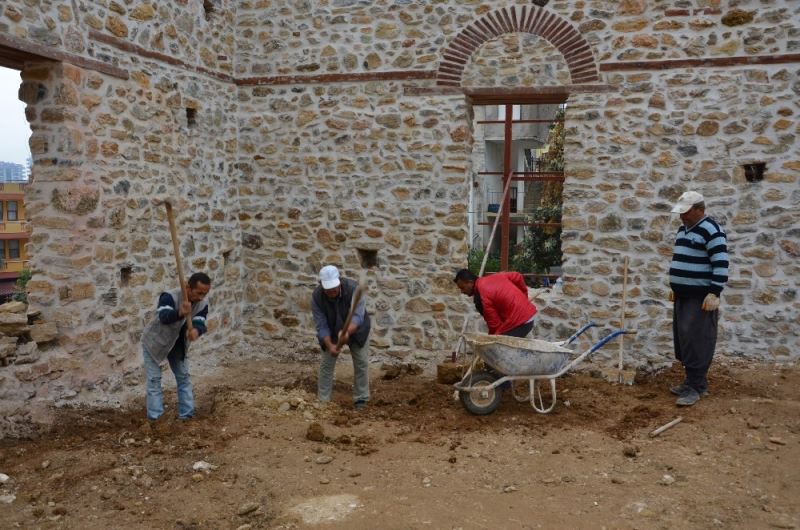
[[416, 459]]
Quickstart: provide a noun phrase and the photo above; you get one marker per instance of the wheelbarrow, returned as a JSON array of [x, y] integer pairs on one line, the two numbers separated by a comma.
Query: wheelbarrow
[[518, 359]]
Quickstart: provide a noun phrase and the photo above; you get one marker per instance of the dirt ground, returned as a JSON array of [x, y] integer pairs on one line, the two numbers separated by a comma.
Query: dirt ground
[[261, 453]]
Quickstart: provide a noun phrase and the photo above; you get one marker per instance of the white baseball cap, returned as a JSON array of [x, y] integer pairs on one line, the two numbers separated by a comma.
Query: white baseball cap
[[329, 277], [686, 201]]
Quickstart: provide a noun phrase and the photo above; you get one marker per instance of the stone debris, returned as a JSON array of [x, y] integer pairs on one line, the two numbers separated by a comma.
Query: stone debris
[[27, 353], [666, 480], [390, 371], [315, 433], [14, 307], [324, 459], [248, 508], [448, 373], [202, 465], [14, 324]]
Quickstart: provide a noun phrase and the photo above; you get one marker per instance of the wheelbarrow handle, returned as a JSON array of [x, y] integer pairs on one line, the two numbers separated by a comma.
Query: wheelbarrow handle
[[579, 332], [611, 336]]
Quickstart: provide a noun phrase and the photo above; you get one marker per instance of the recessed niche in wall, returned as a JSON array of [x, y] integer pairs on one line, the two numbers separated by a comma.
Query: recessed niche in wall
[[368, 254], [754, 171], [226, 256], [208, 7], [125, 275], [191, 117]]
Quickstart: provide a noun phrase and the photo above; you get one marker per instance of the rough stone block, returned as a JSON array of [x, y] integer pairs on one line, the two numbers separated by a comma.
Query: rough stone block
[[46, 332], [13, 307]]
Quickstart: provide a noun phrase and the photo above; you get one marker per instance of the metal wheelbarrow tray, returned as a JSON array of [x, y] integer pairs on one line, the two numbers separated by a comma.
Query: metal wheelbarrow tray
[[518, 359]]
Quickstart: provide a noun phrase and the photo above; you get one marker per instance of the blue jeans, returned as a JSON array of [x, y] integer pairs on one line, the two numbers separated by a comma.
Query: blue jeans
[[360, 374], [155, 397]]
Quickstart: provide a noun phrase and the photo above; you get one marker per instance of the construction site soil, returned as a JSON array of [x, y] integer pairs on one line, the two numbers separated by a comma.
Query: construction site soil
[[263, 453]]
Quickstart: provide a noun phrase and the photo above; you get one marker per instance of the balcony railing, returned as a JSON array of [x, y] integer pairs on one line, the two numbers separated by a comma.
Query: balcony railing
[[14, 265], [15, 227]]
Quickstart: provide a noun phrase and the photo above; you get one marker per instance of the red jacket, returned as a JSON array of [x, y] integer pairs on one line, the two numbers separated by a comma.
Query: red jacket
[[502, 299]]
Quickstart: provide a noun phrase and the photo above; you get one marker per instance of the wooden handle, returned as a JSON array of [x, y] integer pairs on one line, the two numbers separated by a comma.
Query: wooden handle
[[175, 247], [356, 300]]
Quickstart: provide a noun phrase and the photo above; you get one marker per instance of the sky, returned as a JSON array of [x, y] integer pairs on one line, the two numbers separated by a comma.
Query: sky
[[14, 129]]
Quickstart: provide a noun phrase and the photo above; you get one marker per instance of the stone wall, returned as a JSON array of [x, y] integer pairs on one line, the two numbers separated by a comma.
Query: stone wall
[[105, 149], [362, 177], [296, 133]]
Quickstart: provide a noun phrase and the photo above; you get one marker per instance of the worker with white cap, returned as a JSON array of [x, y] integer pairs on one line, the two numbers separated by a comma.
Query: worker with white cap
[[330, 305], [697, 275]]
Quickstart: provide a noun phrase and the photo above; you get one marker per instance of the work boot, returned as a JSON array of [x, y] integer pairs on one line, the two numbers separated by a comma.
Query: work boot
[[689, 398], [678, 390], [682, 388], [360, 404]]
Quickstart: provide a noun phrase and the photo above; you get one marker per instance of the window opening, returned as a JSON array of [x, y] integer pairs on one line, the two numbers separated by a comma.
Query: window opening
[[15, 171], [12, 210], [523, 143], [13, 248]]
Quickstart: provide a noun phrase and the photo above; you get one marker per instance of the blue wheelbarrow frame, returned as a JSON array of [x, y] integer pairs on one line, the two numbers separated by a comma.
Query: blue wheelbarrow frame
[[519, 359]]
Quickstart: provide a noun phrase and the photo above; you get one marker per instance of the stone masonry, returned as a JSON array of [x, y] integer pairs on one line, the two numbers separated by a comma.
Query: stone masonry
[[296, 133]]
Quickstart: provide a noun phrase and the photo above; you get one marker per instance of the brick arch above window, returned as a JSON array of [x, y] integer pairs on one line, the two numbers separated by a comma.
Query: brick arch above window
[[519, 19]]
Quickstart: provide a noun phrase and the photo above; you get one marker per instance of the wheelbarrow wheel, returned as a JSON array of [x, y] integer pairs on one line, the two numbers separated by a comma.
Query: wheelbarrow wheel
[[484, 400]]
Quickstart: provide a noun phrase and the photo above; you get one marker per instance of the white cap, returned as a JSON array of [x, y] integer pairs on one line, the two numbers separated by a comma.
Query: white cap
[[686, 201], [329, 277]]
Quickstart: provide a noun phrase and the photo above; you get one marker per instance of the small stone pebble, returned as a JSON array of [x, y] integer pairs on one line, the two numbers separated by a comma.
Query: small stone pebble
[[666, 480], [324, 480], [324, 459], [248, 507]]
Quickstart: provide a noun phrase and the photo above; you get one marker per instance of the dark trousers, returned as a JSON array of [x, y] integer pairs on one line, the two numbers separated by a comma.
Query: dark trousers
[[695, 334], [520, 331]]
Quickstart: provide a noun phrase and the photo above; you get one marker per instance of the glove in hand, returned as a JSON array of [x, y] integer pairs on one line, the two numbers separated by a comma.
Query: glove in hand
[[710, 303]]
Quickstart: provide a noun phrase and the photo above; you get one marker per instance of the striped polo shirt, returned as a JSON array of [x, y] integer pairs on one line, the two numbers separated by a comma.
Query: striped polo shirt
[[699, 260]]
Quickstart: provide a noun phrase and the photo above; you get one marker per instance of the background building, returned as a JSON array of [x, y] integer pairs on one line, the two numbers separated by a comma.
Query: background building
[[14, 234], [11, 172]]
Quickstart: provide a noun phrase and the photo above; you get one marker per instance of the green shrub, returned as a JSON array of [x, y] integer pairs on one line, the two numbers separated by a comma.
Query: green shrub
[[20, 293]]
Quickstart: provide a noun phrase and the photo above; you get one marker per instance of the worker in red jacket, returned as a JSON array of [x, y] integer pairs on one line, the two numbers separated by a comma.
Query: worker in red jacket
[[502, 299]]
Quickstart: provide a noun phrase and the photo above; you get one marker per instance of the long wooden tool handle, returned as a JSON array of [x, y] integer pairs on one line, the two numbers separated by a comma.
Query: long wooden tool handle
[[176, 248], [356, 300], [622, 317]]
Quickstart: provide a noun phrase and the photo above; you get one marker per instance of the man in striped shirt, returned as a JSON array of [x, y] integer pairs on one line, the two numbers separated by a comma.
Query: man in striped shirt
[[697, 275]]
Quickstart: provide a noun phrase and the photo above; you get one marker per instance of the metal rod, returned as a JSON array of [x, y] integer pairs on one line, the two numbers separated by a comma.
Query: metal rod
[[507, 144]]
